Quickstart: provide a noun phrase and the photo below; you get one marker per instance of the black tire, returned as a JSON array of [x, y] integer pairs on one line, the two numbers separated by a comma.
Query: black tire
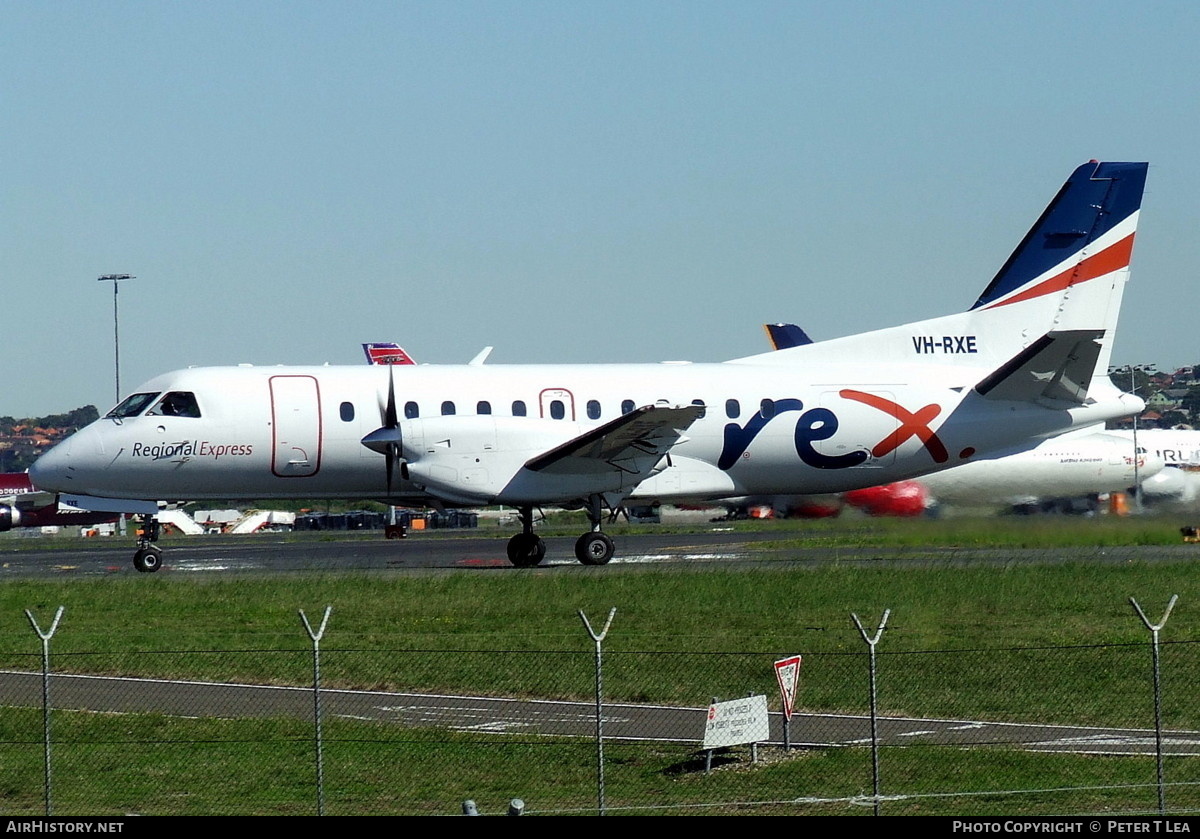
[[147, 560], [526, 550], [594, 548]]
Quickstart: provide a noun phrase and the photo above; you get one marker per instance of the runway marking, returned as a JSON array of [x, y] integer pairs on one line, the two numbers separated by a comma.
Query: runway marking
[[1111, 741], [455, 716]]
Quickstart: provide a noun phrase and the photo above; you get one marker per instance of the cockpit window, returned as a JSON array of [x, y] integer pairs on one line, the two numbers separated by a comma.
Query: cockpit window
[[132, 406], [177, 403]]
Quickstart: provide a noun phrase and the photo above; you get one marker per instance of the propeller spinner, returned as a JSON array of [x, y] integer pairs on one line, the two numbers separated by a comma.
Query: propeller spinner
[[386, 439]]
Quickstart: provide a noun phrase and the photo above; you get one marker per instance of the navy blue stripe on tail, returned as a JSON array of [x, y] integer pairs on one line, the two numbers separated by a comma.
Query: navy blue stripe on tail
[[1096, 198]]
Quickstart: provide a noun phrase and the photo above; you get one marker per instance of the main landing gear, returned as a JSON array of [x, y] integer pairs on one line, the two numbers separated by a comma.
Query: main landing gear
[[148, 556], [527, 549], [594, 548]]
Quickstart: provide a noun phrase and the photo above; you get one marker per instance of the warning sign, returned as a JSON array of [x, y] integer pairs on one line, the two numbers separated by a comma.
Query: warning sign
[[736, 722], [787, 671]]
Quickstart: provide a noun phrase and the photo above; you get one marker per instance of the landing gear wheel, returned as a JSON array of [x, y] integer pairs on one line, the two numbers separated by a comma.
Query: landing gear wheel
[[147, 559], [526, 550], [594, 548]]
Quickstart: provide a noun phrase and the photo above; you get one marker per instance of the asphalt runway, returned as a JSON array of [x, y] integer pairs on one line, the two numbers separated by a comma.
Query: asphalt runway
[[28, 556], [24, 556], [622, 721]]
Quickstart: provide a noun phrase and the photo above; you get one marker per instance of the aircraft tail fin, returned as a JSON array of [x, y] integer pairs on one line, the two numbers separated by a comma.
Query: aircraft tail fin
[[1085, 233], [386, 353], [785, 335], [1067, 275]]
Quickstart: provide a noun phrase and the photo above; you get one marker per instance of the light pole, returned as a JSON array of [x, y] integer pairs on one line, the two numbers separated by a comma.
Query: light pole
[[1134, 369], [115, 279]]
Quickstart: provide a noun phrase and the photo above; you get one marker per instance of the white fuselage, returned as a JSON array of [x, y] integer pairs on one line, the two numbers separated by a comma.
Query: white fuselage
[[278, 432]]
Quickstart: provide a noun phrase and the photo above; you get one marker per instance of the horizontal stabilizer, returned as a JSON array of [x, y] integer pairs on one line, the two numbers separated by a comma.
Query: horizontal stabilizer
[[631, 443], [1058, 367]]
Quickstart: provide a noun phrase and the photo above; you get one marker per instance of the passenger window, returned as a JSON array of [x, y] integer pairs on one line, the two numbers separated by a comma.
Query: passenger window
[[627, 406], [483, 407], [447, 408], [767, 408], [593, 409], [699, 402], [411, 410], [177, 403], [733, 410], [518, 408], [347, 412], [132, 406], [557, 411]]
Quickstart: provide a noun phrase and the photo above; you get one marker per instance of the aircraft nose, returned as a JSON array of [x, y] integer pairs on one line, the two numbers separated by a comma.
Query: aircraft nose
[[1150, 466], [52, 470]]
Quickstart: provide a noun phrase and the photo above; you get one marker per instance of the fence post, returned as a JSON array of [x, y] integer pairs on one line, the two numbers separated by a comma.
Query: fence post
[[1154, 628], [598, 639], [316, 642], [871, 642], [46, 636]]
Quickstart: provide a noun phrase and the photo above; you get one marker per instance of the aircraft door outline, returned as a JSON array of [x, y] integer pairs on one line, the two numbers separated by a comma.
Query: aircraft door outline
[[296, 430], [549, 396]]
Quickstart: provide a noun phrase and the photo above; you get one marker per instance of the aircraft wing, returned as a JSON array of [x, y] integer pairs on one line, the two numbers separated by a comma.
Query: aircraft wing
[[31, 500], [1057, 367], [632, 443]]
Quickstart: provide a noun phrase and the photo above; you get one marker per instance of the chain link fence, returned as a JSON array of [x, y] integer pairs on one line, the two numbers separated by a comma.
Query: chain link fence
[[1055, 730]]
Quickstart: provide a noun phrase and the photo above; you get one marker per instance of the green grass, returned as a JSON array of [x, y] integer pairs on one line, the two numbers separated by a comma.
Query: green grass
[[152, 765], [1036, 642]]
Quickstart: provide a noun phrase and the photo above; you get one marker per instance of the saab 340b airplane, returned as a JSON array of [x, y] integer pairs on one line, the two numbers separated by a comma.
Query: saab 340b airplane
[[1027, 360]]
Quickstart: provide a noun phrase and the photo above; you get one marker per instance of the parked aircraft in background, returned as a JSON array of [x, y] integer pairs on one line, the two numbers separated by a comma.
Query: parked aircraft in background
[[386, 353], [1028, 360], [22, 505], [1179, 450], [1076, 464], [784, 336], [389, 353]]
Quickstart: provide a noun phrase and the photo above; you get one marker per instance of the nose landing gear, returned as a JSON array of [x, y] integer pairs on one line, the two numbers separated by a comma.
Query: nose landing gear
[[526, 549], [148, 556]]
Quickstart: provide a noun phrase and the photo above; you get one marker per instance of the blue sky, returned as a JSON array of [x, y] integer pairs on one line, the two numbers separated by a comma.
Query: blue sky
[[603, 181]]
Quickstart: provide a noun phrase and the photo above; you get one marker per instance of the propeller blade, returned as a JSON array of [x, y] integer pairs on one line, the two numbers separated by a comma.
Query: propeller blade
[[386, 440], [390, 419]]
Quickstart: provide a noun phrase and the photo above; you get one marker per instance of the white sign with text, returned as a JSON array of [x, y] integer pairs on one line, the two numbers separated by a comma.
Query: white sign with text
[[736, 722]]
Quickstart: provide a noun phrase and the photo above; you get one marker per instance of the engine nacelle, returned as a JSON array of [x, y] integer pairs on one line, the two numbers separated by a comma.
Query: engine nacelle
[[459, 459], [10, 517], [903, 498]]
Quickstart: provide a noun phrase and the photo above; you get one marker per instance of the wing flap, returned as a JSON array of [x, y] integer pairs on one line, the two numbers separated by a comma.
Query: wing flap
[[632, 443]]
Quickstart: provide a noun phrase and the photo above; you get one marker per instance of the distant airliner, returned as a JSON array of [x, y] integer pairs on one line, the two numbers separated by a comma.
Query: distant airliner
[[1027, 360], [23, 505]]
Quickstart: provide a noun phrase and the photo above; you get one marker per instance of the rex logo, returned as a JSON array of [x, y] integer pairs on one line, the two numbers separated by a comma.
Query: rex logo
[[818, 424], [911, 425]]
